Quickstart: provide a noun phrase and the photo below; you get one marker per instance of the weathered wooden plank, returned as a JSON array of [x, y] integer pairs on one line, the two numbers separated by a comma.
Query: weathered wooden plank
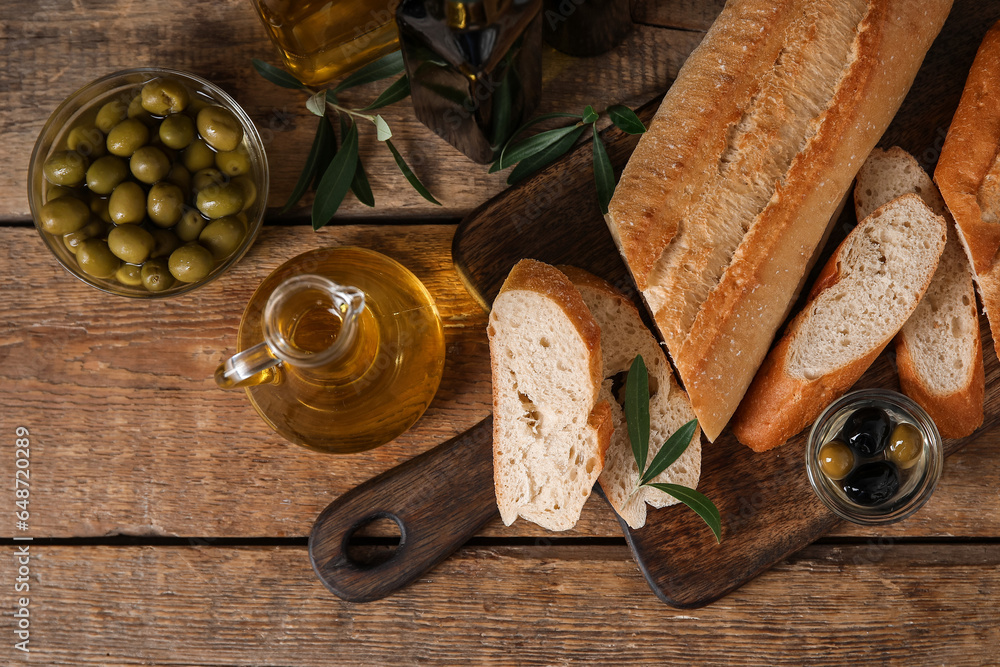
[[53, 48], [872, 604], [683, 14], [131, 436]]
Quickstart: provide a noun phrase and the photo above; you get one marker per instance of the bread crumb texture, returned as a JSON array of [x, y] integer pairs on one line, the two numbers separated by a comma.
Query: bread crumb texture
[[883, 267], [546, 456]]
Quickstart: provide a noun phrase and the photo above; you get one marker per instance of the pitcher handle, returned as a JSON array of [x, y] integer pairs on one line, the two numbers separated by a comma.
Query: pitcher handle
[[246, 369]]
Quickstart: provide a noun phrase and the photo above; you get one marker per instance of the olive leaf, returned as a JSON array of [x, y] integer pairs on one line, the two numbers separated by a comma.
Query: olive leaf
[[533, 144], [604, 173], [589, 115], [399, 90], [543, 158], [382, 131], [625, 119], [317, 103], [698, 502], [276, 75], [327, 150], [314, 162], [382, 68], [331, 172], [670, 451], [637, 410], [637, 424], [410, 176], [360, 186], [534, 121], [336, 180]]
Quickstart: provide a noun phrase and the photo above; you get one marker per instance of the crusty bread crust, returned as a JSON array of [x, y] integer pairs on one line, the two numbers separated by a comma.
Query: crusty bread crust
[[779, 405], [730, 335], [968, 153], [956, 415]]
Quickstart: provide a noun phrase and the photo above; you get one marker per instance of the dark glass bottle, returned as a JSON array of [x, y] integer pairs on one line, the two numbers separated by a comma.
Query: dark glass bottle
[[474, 68], [586, 27]]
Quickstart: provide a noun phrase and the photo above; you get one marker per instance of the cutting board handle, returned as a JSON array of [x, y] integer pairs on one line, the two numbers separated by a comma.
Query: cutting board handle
[[439, 500]]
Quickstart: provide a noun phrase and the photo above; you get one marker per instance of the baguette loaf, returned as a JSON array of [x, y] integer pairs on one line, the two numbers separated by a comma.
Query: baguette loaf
[[720, 210], [623, 336], [938, 351], [968, 173], [862, 297], [550, 431]]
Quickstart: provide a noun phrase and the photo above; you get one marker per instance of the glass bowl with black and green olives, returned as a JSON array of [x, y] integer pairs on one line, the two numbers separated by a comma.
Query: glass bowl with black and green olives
[[148, 183], [874, 456]]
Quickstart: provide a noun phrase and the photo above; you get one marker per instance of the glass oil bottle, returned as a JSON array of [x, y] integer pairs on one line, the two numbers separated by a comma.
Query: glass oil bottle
[[342, 350], [322, 40], [474, 68]]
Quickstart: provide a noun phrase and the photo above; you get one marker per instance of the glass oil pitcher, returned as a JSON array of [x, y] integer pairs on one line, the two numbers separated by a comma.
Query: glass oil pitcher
[[342, 350]]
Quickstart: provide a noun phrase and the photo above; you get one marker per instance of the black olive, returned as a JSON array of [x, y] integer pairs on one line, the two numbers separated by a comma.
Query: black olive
[[872, 483], [867, 431]]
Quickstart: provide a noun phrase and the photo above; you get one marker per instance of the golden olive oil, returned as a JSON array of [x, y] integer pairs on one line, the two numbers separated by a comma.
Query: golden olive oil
[[386, 377], [323, 40]]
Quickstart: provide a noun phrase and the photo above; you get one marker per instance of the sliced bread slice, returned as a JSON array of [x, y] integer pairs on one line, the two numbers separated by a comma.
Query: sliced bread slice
[[623, 336], [862, 297], [939, 352], [550, 431]]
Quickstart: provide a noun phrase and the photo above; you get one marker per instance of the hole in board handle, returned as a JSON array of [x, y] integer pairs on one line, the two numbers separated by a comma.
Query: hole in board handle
[[374, 540]]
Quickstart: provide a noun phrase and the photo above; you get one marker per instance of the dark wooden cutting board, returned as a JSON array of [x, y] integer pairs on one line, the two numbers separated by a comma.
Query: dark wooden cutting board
[[443, 497], [768, 508]]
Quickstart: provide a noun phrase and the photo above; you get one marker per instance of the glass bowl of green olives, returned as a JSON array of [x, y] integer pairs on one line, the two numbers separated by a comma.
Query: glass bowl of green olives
[[148, 183], [874, 456]]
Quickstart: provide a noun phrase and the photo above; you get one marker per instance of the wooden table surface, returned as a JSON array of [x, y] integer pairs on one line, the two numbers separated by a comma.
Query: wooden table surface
[[169, 522]]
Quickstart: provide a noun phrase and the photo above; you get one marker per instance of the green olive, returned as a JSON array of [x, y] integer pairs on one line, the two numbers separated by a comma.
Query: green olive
[[63, 215], [65, 168], [190, 263], [156, 275], [177, 131], [139, 113], [99, 207], [220, 128], [249, 188], [207, 178], [906, 444], [222, 237], [106, 173], [179, 176], [197, 104], [96, 259], [149, 164], [217, 201], [836, 459], [53, 192], [87, 141], [198, 156], [92, 229], [190, 225], [131, 243], [127, 203], [233, 163], [110, 115], [166, 242], [165, 204], [129, 274], [163, 96], [127, 137]]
